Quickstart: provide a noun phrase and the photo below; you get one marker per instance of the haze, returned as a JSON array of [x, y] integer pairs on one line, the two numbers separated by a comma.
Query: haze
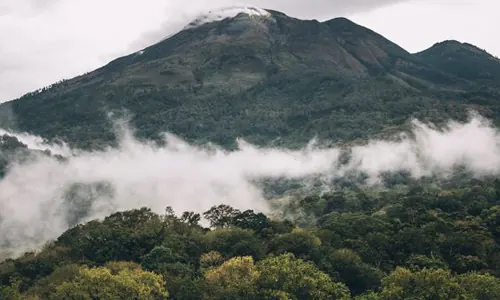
[[42, 198]]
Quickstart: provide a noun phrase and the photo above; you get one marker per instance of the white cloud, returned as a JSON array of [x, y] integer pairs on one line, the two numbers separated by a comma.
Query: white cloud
[[34, 207]]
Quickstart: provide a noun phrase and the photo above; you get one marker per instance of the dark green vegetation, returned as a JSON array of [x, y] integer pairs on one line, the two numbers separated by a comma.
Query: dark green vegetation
[[9, 148], [419, 242], [270, 80], [465, 60], [12, 150]]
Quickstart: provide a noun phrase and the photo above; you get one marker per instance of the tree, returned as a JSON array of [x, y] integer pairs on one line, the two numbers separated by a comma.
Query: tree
[[124, 235], [9, 142], [425, 284], [492, 220], [418, 262], [102, 283], [299, 242], [439, 284], [210, 260], [190, 218], [46, 286], [12, 291], [346, 266], [235, 241], [298, 279], [250, 220], [158, 258], [369, 296], [221, 216], [480, 286], [234, 279]]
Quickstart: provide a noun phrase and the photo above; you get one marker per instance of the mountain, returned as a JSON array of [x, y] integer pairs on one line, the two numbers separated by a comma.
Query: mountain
[[266, 77], [272, 79], [463, 60]]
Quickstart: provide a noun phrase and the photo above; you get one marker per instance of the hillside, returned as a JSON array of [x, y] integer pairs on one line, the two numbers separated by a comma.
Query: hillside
[[266, 78]]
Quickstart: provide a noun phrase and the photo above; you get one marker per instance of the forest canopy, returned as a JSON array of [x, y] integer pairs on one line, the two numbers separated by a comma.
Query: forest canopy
[[421, 242]]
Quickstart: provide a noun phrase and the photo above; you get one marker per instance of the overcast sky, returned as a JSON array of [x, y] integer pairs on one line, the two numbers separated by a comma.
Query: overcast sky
[[42, 41]]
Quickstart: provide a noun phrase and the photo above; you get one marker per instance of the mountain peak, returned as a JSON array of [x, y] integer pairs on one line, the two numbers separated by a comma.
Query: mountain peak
[[462, 60], [265, 64], [454, 45], [227, 12]]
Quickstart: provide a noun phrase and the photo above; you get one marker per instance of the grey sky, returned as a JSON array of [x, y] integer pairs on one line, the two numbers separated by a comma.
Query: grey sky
[[47, 40]]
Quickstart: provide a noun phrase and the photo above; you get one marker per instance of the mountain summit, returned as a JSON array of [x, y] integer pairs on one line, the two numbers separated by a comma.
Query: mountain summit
[[227, 12], [463, 60], [264, 76]]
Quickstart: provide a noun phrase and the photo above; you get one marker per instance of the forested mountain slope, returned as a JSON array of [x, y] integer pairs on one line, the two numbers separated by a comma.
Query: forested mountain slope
[[265, 78]]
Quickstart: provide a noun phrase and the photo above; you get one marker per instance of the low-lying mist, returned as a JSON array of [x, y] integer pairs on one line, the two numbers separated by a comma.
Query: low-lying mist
[[42, 197]]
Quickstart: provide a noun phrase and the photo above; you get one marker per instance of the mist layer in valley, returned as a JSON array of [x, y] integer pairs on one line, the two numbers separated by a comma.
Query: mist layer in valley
[[43, 196]]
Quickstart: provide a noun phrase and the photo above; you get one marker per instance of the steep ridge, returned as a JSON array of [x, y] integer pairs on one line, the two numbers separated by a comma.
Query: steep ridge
[[381, 56], [266, 77]]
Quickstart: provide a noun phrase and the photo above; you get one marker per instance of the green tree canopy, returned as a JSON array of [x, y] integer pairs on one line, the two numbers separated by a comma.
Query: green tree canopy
[[105, 283], [298, 279]]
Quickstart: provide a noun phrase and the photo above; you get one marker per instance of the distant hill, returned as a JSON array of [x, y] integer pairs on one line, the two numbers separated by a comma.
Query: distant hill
[[463, 60], [268, 78]]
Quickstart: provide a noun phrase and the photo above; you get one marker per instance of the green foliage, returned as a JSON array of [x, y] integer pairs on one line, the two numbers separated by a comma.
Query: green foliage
[[14, 151], [346, 266], [120, 236], [438, 284], [425, 284], [103, 283], [299, 242], [159, 258], [410, 244], [480, 286], [221, 216], [464, 60], [234, 279], [210, 260], [46, 286], [418, 262], [8, 142], [298, 279], [12, 291], [235, 242]]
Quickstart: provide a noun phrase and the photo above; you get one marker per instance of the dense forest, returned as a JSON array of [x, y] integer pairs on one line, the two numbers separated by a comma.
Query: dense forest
[[418, 241]]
